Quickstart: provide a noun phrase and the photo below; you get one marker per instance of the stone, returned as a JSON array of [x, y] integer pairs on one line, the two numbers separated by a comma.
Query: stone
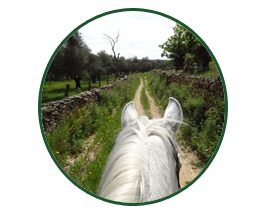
[[52, 112], [46, 109]]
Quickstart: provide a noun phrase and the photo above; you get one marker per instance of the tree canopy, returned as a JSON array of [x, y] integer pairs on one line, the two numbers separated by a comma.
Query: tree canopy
[[75, 60], [184, 49], [72, 60]]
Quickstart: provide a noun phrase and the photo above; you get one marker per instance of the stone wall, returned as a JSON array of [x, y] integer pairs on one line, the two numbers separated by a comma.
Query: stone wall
[[53, 112], [213, 86]]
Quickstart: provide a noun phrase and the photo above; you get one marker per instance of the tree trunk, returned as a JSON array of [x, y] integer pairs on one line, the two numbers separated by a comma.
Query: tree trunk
[[200, 67], [78, 82], [116, 76], [99, 80], [93, 79], [107, 79]]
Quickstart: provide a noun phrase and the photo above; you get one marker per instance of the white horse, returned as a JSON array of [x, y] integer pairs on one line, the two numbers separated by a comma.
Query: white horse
[[144, 164]]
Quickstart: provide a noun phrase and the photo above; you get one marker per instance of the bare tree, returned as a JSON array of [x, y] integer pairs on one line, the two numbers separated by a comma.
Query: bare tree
[[113, 42]]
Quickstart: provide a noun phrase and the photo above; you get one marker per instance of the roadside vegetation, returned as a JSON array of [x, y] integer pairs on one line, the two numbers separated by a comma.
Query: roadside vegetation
[[83, 141], [145, 101], [204, 116]]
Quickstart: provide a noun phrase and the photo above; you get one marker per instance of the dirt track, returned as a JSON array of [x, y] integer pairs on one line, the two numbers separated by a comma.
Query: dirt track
[[188, 171]]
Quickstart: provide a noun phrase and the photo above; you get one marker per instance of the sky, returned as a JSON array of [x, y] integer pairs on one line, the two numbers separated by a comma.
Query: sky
[[141, 33]]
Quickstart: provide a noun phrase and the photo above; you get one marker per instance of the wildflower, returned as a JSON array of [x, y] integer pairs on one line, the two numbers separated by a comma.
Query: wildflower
[[57, 152], [90, 173], [83, 178]]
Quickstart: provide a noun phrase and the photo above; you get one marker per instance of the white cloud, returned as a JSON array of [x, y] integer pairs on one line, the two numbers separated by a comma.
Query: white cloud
[[140, 33]]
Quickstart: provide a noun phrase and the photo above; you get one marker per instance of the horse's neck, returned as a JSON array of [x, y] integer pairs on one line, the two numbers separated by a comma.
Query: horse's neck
[[161, 179], [139, 170]]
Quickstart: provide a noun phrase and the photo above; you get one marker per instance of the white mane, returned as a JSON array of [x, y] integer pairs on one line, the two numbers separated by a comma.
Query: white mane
[[141, 166]]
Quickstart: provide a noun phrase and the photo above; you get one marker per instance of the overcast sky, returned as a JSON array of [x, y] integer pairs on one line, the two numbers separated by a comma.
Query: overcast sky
[[140, 34]]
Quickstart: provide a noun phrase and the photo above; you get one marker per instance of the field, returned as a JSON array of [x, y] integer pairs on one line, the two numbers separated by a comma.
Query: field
[[55, 90]]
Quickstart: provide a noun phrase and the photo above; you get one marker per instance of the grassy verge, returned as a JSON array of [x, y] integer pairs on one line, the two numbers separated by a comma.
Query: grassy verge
[[145, 101], [84, 159], [55, 90], [203, 114]]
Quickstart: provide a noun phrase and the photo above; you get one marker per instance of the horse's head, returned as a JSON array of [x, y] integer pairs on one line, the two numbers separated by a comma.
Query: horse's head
[[173, 117], [144, 163]]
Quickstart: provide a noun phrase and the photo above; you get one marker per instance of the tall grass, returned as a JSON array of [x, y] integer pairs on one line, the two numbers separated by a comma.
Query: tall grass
[[84, 159], [204, 115]]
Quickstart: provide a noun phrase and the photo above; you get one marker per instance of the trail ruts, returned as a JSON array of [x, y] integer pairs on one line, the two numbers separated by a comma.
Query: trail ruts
[[188, 171]]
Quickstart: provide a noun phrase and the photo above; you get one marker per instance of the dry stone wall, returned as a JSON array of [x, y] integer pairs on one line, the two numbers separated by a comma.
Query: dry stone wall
[[213, 86], [53, 112]]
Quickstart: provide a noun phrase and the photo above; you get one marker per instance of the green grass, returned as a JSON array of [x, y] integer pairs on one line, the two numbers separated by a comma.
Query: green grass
[[145, 101], [212, 72], [152, 92], [102, 121], [204, 115], [55, 90]]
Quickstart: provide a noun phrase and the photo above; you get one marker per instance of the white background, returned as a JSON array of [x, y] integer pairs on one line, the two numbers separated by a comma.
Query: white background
[[244, 37]]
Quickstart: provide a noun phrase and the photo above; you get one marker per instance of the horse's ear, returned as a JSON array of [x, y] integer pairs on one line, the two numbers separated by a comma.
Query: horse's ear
[[129, 114], [174, 112]]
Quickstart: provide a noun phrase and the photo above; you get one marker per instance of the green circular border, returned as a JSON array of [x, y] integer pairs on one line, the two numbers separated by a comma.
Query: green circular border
[[225, 97]]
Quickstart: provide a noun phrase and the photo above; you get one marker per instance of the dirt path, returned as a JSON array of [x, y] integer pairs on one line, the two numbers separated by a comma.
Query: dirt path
[[153, 107], [137, 101], [188, 171]]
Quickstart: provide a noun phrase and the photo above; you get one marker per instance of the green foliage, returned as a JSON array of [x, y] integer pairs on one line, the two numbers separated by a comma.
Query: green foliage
[[194, 109], [203, 114], [102, 121], [71, 60], [68, 138], [88, 173], [189, 63], [178, 45]]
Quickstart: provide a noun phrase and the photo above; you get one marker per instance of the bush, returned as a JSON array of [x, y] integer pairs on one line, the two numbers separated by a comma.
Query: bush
[[194, 110]]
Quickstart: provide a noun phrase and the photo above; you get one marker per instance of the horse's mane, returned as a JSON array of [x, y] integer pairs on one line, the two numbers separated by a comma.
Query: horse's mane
[[141, 166]]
